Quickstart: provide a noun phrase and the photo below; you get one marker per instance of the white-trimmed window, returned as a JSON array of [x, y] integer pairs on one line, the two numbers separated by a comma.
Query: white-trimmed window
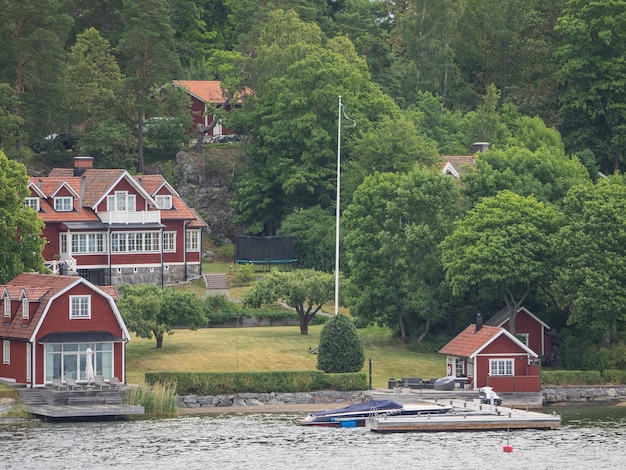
[[6, 351], [169, 241], [121, 201], [7, 307], [501, 367], [164, 201], [63, 204], [80, 306], [123, 242], [25, 310], [63, 243], [33, 203], [86, 242], [192, 240]]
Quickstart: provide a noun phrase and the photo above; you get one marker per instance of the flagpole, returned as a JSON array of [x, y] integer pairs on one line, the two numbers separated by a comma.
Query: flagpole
[[337, 210]]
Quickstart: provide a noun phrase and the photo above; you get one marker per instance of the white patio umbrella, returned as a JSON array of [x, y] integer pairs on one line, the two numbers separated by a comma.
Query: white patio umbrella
[[89, 372]]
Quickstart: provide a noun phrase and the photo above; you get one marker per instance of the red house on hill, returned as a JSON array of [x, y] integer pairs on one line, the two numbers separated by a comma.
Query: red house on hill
[[491, 356], [204, 94], [113, 228], [48, 323], [537, 335]]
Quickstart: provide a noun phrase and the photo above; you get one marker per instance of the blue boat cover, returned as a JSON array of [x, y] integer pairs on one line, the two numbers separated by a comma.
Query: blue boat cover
[[374, 405]]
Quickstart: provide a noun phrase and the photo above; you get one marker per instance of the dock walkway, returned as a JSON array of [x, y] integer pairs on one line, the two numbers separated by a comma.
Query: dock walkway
[[466, 416]]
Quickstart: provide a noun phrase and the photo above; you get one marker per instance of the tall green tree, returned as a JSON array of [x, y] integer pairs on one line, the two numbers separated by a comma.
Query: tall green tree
[[20, 230], [32, 57], [11, 125], [94, 80], [392, 230], [547, 174], [148, 57], [152, 312], [304, 290], [501, 248], [592, 73], [591, 253], [292, 119]]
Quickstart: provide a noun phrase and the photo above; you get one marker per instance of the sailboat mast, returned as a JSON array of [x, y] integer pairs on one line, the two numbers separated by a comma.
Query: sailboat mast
[[337, 210]]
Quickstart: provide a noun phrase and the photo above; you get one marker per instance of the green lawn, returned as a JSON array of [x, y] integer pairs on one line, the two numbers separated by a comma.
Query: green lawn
[[271, 348]]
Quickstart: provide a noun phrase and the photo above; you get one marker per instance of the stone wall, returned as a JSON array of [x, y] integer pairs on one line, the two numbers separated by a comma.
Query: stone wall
[[583, 393], [260, 399]]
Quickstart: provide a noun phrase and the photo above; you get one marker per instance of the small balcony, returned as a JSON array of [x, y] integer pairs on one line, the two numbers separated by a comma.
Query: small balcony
[[130, 217]]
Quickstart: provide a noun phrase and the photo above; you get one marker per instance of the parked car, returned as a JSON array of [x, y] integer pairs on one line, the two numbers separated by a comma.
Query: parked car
[[56, 142], [487, 394]]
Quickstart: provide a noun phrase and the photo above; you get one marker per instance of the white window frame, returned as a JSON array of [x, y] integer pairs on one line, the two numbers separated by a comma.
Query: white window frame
[[135, 242], [33, 203], [6, 351], [7, 307], [87, 243], [29, 362], [64, 203], [502, 367], [121, 201], [80, 307], [25, 309], [169, 241], [192, 240], [164, 201], [63, 243]]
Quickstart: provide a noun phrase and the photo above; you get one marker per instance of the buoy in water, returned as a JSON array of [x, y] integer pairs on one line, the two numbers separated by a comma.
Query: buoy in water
[[508, 448]]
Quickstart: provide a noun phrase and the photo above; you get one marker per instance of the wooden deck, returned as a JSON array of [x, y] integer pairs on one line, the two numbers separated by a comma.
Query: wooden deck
[[467, 416], [85, 403]]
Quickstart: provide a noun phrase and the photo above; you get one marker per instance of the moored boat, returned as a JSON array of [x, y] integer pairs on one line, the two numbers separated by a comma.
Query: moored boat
[[355, 415]]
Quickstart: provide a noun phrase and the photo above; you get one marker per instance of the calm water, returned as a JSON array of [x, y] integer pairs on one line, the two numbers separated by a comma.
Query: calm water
[[591, 437]]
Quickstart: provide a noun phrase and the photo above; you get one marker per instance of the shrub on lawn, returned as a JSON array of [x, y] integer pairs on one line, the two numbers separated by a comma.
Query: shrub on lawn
[[340, 348]]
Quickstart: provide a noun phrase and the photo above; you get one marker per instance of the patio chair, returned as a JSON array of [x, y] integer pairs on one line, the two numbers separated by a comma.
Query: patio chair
[[57, 384], [115, 382], [71, 383], [100, 383]]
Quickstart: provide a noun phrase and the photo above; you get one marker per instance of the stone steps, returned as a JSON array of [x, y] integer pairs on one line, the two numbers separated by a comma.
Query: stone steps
[[216, 281]]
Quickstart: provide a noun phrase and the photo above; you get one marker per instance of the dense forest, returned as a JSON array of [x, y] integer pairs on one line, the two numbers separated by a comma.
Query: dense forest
[[539, 221]]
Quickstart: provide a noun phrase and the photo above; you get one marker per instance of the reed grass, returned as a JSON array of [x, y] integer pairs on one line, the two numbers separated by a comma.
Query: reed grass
[[157, 400]]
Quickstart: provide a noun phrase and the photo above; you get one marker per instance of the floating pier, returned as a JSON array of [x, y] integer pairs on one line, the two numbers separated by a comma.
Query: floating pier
[[466, 416]]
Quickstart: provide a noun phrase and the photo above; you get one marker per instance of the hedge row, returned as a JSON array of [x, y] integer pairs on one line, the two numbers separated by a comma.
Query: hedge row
[[221, 383], [583, 377]]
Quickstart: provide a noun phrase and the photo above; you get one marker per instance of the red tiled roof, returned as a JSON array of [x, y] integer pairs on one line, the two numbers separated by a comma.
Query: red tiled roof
[[209, 91], [469, 341], [458, 162], [43, 287]]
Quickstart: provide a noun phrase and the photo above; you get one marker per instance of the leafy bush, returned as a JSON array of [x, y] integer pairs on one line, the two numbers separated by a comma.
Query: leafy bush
[[244, 275], [340, 348], [221, 383]]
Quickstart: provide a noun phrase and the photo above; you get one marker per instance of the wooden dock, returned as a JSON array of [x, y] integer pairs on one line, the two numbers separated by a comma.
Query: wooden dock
[[83, 410], [85, 403], [467, 416]]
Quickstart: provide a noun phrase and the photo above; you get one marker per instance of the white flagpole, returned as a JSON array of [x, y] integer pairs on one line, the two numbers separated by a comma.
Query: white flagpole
[[337, 210]]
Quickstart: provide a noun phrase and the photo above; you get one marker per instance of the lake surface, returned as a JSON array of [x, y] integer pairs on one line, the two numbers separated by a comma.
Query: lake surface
[[591, 437]]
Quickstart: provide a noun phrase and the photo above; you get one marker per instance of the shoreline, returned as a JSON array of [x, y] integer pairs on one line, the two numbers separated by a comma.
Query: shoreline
[[296, 408]]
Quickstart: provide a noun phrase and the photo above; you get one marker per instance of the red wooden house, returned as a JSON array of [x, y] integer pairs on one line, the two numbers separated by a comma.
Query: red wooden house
[[113, 228], [535, 333], [49, 322], [204, 94], [491, 356]]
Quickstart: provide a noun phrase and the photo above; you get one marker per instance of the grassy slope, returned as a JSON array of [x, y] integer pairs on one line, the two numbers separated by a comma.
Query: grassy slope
[[268, 348], [271, 348]]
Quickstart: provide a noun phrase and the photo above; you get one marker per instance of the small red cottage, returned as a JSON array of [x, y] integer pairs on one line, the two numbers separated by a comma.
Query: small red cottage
[[538, 335], [49, 322], [491, 356], [204, 93]]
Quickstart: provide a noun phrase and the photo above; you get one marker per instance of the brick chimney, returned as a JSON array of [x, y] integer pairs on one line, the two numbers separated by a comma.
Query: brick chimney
[[81, 164]]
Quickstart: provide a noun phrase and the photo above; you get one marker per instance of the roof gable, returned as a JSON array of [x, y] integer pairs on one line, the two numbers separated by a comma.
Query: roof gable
[[470, 342], [208, 91], [455, 165], [44, 289], [503, 316]]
